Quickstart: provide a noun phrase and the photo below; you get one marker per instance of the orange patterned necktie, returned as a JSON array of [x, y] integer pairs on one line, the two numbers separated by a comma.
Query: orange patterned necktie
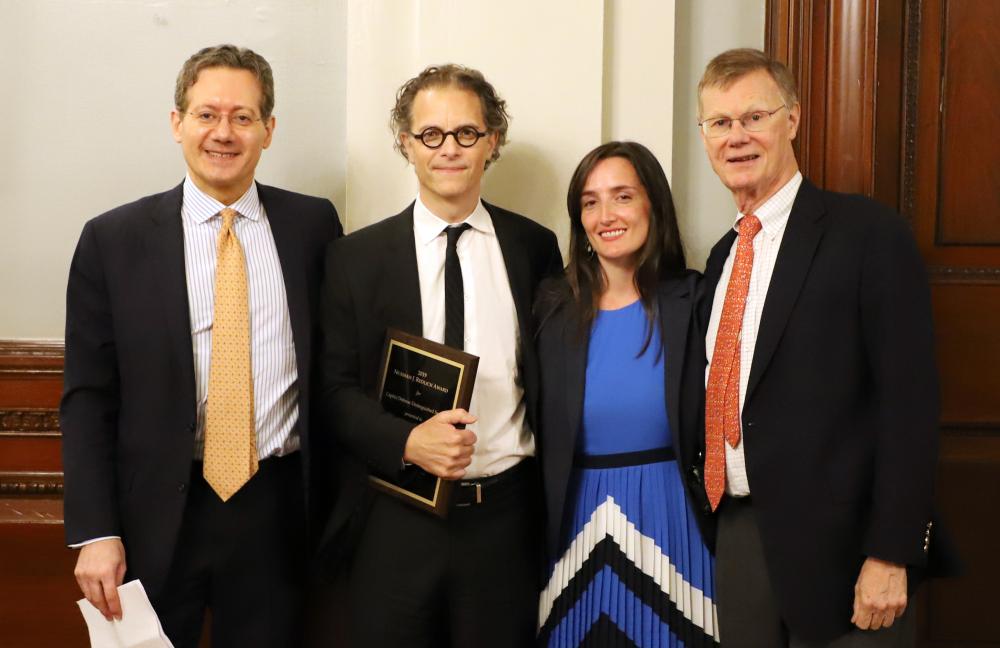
[[230, 433], [722, 396]]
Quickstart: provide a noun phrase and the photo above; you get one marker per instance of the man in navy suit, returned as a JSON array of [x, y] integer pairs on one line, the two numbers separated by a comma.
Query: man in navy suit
[[141, 312], [822, 394]]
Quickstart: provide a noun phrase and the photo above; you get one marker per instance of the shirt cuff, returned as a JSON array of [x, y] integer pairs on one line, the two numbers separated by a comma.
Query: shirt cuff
[[91, 541]]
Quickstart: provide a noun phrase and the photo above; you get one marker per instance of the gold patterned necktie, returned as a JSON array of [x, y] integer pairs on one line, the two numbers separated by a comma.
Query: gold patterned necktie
[[230, 433], [722, 395]]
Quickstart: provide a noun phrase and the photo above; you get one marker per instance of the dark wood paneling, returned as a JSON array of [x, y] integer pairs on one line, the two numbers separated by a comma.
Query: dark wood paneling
[[961, 612], [947, 178], [970, 136], [38, 597], [830, 47], [968, 350], [30, 386], [39, 593], [922, 137]]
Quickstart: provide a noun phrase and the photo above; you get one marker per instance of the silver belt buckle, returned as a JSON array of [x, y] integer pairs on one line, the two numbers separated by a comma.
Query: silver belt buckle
[[479, 492]]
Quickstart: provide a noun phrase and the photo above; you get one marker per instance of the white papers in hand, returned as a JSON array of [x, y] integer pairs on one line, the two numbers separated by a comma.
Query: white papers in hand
[[139, 627]]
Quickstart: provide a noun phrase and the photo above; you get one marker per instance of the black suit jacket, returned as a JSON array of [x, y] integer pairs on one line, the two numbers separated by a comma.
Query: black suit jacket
[[563, 358], [128, 406], [840, 413], [371, 284]]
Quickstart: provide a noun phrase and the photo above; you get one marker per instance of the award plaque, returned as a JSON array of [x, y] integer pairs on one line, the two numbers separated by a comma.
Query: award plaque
[[418, 379]]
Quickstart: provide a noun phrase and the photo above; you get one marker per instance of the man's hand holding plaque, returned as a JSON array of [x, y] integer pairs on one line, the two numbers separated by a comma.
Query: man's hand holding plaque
[[440, 447], [429, 384]]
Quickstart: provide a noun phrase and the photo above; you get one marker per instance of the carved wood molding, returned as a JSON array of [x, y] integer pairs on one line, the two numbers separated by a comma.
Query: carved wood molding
[[959, 275], [24, 483], [911, 67], [29, 422], [30, 357]]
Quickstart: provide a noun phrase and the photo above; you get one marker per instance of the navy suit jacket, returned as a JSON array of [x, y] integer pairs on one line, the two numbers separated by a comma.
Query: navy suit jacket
[[128, 405], [841, 410]]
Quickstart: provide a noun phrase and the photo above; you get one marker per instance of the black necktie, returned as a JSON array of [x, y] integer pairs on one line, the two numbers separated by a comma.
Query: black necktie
[[454, 291]]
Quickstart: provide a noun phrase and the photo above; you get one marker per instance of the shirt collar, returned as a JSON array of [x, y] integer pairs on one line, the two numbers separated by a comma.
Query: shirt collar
[[428, 227], [773, 214], [199, 207]]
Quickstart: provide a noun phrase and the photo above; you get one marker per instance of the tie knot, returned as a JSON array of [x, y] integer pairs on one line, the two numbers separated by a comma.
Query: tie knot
[[749, 226], [228, 216], [455, 232]]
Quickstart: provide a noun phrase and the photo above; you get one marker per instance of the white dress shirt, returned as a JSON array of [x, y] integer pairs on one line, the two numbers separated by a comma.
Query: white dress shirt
[[491, 332], [773, 216]]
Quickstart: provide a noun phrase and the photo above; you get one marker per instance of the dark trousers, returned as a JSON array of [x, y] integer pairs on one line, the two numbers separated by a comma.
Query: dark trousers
[[469, 580], [243, 560], [748, 612]]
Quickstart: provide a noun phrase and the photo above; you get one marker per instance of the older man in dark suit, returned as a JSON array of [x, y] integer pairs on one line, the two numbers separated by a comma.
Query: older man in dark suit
[[822, 395], [189, 335], [470, 579]]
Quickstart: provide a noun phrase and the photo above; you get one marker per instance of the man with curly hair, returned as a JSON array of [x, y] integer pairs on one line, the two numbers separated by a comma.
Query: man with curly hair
[[470, 579]]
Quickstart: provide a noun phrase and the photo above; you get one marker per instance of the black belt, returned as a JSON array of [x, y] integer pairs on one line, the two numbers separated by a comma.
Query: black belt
[[469, 492], [623, 459]]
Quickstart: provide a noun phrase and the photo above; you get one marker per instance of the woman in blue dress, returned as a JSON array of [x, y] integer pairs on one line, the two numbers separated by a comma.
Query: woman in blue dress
[[618, 428]]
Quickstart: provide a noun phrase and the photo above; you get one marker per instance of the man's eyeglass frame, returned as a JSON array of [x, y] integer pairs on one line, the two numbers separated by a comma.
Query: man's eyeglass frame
[[745, 121], [468, 130]]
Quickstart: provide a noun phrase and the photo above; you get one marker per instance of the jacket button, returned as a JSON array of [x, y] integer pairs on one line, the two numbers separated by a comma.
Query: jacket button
[[700, 456], [749, 424], [181, 487]]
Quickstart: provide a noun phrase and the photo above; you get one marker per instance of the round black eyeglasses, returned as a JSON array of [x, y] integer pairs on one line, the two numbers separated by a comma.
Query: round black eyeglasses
[[434, 137]]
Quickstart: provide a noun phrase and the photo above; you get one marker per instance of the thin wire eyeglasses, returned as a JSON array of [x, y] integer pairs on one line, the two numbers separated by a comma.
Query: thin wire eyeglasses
[[238, 119], [433, 137], [754, 122]]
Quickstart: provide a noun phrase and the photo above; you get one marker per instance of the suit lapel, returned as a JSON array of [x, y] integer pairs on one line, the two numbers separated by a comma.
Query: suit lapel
[[675, 316], [798, 246], [518, 272], [166, 246], [402, 281], [713, 272], [289, 247], [575, 355]]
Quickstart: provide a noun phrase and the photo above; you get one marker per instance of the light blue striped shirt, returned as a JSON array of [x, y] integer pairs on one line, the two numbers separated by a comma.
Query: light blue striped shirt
[[275, 373]]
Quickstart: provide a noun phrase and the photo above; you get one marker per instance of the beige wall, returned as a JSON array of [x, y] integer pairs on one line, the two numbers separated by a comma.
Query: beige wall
[[704, 28], [88, 89], [570, 71], [89, 85]]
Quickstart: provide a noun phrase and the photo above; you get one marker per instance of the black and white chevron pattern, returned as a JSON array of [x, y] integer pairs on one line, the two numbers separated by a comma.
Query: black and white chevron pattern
[[609, 539]]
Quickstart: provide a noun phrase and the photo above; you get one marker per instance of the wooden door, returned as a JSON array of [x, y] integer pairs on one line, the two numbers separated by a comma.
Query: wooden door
[[901, 101]]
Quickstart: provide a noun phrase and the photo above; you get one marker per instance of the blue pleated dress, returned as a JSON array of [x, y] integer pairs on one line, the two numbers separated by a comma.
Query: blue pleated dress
[[634, 570]]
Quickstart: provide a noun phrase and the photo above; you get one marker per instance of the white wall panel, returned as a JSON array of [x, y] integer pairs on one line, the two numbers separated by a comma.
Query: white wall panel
[[544, 58], [89, 87]]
